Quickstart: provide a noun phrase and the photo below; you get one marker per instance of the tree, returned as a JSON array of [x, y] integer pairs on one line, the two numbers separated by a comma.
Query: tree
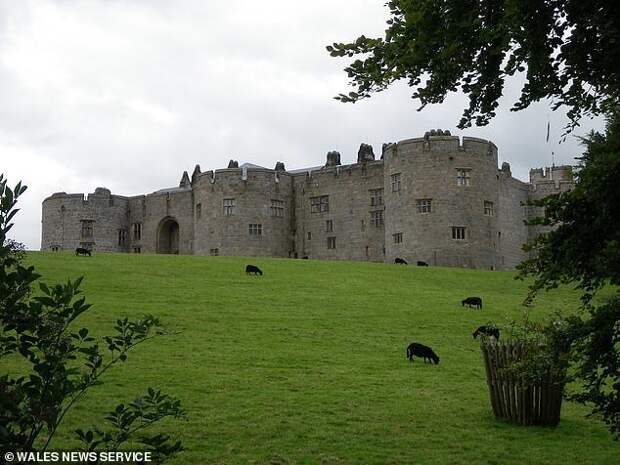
[[583, 248], [62, 361], [569, 50], [584, 245]]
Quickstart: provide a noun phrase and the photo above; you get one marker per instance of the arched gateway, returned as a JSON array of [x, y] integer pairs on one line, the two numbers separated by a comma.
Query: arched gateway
[[168, 236]]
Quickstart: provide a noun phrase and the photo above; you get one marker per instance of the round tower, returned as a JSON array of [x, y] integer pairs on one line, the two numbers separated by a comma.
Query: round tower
[[52, 221], [96, 222], [441, 198], [243, 211]]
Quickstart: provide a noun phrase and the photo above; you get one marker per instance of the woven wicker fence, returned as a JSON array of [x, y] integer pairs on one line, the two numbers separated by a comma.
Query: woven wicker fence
[[514, 399]]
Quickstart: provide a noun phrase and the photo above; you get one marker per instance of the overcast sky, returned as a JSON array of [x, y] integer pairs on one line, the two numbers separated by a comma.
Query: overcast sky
[[128, 94]]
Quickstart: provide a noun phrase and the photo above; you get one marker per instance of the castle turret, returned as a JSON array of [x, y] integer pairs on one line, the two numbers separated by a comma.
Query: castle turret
[[244, 211], [441, 199], [97, 221], [544, 182], [556, 174]]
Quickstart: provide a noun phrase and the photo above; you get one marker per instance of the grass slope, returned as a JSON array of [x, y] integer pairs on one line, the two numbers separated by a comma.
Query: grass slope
[[306, 364]]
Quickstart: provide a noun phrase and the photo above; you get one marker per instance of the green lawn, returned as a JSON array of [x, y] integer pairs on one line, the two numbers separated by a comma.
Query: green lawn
[[306, 365]]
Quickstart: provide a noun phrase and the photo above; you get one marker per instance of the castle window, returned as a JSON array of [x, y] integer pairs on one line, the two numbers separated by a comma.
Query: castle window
[[376, 218], [376, 197], [462, 177], [198, 210], [398, 238], [229, 207], [55, 248], [331, 242], [458, 232], [122, 236], [87, 229], [329, 226], [137, 231], [214, 252], [309, 235], [137, 250], [277, 208], [395, 182], [256, 229], [488, 208], [424, 205], [319, 204]]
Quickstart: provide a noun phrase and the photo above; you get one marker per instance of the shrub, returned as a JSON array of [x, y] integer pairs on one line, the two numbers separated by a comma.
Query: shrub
[[63, 361]]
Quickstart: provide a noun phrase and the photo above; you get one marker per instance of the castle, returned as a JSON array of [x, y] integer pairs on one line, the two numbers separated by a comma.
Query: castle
[[437, 199]]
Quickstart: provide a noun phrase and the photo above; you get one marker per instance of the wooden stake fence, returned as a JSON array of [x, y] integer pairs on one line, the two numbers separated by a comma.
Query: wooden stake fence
[[514, 399]]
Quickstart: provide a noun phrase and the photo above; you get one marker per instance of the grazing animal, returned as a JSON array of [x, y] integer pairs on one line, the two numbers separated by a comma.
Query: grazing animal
[[487, 330], [305, 257], [422, 264], [253, 269], [82, 251], [472, 302], [422, 351], [400, 261]]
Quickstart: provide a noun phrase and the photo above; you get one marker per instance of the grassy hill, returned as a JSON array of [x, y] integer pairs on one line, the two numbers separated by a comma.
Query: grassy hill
[[306, 365]]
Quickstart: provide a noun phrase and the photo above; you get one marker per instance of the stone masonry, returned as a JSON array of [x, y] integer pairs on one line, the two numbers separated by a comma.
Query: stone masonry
[[437, 199]]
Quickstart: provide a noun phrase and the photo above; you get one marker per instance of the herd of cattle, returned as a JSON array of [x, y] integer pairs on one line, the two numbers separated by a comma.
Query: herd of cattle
[[415, 349]]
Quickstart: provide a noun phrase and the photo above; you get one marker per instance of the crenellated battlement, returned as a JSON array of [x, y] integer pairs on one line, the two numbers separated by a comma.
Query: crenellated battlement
[[444, 144], [553, 173], [101, 194], [243, 174], [552, 179]]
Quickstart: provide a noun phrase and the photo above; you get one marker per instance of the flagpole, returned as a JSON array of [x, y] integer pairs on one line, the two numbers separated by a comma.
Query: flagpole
[[552, 153]]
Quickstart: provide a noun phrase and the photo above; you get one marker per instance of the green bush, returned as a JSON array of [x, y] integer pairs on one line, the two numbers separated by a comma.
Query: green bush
[[62, 361]]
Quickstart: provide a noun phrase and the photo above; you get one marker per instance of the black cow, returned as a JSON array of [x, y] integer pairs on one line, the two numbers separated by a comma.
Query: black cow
[[400, 261], [253, 269], [82, 251], [305, 257], [486, 330], [422, 351], [472, 302], [422, 263]]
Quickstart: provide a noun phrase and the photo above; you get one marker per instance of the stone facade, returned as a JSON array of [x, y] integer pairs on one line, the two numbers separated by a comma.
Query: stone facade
[[437, 199]]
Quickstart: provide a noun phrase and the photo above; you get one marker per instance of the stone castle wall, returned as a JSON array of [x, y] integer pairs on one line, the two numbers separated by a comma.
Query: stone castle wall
[[63, 215], [512, 231], [367, 216], [428, 171], [348, 188], [252, 193], [551, 181]]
